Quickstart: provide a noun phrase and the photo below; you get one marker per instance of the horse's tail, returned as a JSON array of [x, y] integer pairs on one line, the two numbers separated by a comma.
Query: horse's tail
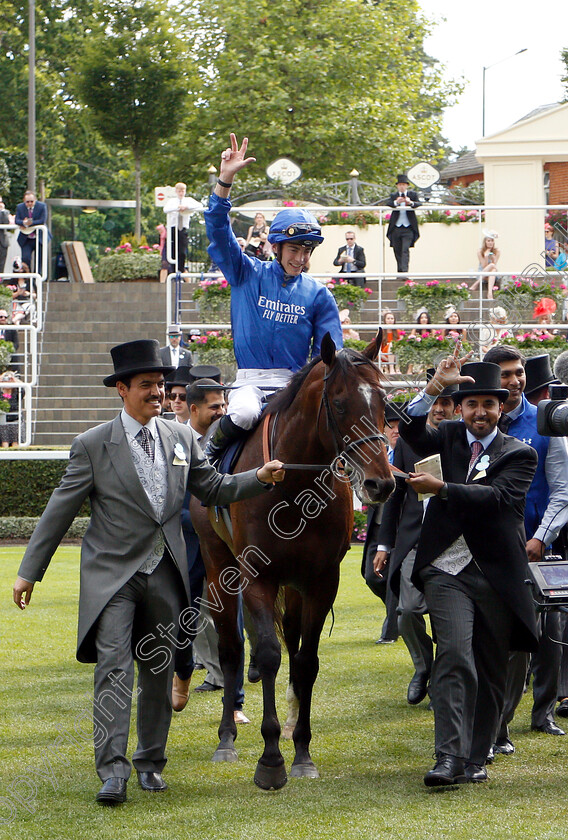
[[279, 608]]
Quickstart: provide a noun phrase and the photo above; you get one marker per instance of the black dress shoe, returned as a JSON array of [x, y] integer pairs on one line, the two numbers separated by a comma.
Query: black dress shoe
[[207, 686], [475, 773], [490, 756], [503, 746], [417, 688], [448, 770], [562, 708], [113, 792], [382, 641], [549, 728], [151, 781]]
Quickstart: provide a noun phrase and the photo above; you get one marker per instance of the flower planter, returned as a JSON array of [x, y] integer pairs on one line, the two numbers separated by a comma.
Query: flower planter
[[423, 353], [433, 296], [215, 311]]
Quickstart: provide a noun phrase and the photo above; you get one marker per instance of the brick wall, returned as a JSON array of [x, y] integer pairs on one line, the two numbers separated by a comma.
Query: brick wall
[[558, 182]]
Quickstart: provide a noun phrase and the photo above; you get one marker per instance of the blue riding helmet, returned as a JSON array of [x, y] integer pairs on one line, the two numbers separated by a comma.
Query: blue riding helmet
[[295, 225]]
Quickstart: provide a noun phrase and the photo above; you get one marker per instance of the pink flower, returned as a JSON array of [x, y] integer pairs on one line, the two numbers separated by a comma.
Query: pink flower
[[425, 334], [224, 283], [108, 250], [288, 203], [344, 214], [369, 291], [387, 217], [447, 212]]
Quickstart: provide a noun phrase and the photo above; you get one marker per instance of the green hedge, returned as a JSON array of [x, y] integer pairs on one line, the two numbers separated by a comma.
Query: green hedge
[[114, 268], [21, 527], [27, 486]]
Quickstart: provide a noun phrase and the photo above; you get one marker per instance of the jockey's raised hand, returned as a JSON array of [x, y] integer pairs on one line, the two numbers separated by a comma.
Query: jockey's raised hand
[[232, 160]]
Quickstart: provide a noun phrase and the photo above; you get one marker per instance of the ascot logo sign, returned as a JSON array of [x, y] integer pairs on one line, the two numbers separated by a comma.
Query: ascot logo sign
[[283, 170], [423, 175]]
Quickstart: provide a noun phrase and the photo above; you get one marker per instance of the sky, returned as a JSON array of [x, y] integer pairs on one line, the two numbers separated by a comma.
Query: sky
[[474, 35]]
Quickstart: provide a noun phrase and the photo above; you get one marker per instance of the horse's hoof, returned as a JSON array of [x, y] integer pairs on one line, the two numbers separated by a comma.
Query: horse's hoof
[[270, 778], [307, 770], [287, 732], [225, 754]]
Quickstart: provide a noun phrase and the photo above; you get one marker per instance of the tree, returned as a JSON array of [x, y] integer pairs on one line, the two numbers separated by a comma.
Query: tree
[[134, 77], [331, 84]]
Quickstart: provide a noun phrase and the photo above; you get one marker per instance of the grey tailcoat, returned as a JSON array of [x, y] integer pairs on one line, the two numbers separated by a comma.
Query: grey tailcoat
[[123, 523]]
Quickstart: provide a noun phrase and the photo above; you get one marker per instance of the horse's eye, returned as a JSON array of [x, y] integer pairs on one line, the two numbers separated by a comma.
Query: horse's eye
[[339, 407]]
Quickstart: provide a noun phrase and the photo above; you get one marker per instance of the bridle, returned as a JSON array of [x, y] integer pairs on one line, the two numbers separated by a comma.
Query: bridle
[[341, 449]]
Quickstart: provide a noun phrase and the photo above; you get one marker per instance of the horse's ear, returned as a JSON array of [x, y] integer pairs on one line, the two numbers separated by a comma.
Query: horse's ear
[[327, 351], [371, 351]]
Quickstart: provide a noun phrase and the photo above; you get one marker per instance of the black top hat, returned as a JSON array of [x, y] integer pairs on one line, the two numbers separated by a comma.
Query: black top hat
[[538, 373], [448, 391], [394, 410], [487, 376], [142, 356], [207, 384], [204, 372], [402, 179], [180, 376]]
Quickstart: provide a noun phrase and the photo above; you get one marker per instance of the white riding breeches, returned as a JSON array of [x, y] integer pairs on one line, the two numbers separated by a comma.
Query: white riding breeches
[[245, 402]]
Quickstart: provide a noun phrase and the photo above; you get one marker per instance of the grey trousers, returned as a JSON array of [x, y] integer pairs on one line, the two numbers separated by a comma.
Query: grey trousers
[[473, 627], [130, 620], [411, 624]]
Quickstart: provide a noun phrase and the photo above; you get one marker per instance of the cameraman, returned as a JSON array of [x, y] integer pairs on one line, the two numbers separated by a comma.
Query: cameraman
[[546, 513]]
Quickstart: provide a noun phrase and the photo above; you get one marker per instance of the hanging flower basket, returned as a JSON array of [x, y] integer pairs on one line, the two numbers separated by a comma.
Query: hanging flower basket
[[215, 348], [214, 300], [532, 344], [424, 350], [434, 296], [519, 294], [348, 296]]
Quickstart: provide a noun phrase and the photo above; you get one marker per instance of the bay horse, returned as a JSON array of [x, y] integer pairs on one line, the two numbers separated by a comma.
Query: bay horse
[[327, 427]]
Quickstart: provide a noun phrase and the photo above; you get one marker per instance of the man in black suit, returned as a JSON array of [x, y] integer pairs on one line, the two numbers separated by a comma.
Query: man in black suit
[[377, 582], [173, 354], [471, 563], [351, 258], [29, 214], [397, 540], [402, 231]]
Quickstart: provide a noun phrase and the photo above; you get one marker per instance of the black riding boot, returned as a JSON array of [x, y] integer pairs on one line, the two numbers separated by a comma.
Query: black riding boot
[[224, 434]]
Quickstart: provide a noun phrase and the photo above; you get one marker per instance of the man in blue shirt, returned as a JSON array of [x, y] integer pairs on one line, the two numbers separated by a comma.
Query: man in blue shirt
[[279, 314]]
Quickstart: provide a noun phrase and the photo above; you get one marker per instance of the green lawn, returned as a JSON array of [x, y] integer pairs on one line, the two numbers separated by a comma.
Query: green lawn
[[371, 748]]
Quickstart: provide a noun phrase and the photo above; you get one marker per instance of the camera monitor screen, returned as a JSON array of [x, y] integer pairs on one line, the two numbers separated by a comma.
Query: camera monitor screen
[[555, 575], [551, 577]]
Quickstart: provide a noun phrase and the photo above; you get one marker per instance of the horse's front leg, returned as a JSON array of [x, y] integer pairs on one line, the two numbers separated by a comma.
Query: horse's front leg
[[315, 607], [260, 598], [291, 625], [224, 607]]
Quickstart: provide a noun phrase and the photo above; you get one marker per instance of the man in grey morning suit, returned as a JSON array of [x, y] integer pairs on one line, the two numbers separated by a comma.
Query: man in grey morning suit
[[134, 580], [471, 563]]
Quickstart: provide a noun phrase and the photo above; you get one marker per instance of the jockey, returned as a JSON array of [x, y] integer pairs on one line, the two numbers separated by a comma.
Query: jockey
[[278, 312]]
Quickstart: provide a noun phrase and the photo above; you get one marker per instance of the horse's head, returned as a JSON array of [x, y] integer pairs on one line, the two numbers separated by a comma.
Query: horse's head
[[353, 409]]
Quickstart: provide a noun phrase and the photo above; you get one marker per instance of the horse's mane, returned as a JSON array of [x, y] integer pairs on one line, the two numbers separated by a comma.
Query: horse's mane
[[283, 399]]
